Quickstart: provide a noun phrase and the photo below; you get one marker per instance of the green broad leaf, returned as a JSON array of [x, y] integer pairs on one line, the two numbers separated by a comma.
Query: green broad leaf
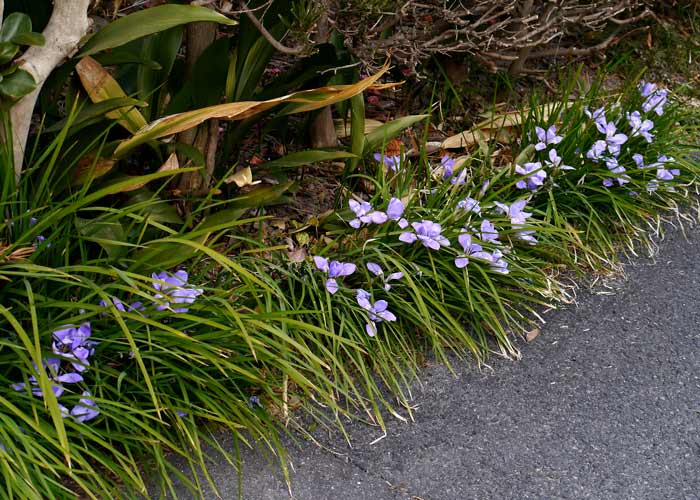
[[93, 112], [165, 254], [147, 22], [190, 152], [117, 58], [305, 158], [9, 70], [154, 207], [381, 135], [109, 235], [8, 50], [209, 74], [29, 38], [18, 84], [222, 218], [162, 48], [14, 25], [259, 197]]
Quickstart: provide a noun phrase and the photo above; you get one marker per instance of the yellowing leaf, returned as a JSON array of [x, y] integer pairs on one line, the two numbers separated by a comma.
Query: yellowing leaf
[[306, 100], [497, 126], [468, 138], [100, 86], [89, 168]]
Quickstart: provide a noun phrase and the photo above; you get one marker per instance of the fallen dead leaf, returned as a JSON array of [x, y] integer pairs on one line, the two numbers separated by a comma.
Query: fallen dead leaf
[[242, 178], [299, 254], [532, 334]]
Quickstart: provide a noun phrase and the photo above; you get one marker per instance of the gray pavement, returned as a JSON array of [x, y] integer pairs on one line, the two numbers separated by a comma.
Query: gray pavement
[[605, 404]]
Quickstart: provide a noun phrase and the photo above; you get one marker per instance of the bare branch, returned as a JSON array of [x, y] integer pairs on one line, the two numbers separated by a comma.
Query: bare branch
[[267, 35]]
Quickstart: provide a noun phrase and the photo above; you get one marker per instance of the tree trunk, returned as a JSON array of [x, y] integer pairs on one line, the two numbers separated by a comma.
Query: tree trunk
[[68, 24], [322, 132], [199, 37]]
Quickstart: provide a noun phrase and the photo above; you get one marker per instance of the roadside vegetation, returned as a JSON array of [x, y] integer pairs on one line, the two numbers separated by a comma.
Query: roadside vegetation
[[177, 260]]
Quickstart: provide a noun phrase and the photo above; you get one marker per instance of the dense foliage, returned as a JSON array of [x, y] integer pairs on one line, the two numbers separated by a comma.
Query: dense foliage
[[142, 314]]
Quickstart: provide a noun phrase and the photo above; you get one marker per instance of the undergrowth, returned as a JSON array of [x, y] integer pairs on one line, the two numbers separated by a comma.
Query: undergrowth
[[152, 334]]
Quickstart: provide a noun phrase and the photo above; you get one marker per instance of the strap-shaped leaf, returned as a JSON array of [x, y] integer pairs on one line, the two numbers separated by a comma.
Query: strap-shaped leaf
[[305, 100], [147, 22], [100, 86]]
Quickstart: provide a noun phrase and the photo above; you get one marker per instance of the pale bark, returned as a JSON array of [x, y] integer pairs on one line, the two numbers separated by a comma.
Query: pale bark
[[68, 24]]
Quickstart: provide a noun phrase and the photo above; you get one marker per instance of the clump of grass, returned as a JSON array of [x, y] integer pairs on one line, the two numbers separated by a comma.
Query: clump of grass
[[449, 254], [165, 362]]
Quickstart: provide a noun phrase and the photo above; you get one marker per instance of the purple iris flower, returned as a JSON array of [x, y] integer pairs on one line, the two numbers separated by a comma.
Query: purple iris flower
[[615, 168], [174, 289], [86, 409], [428, 232], [498, 263], [663, 173], [447, 167], [546, 137], [597, 150], [377, 270], [377, 312], [460, 179], [596, 115], [39, 239], [254, 402], [465, 239], [646, 88], [488, 232], [555, 161], [656, 101], [447, 164], [514, 211], [53, 365], [120, 306], [518, 218], [652, 186], [536, 176], [470, 205], [73, 343], [365, 214], [639, 160], [395, 211], [613, 139], [639, 126], [334, 269], [393, 162]]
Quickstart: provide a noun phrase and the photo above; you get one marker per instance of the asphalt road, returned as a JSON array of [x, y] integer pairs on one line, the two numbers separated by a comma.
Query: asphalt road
[[605, 404]]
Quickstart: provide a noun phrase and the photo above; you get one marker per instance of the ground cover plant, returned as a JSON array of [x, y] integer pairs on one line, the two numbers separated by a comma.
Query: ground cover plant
[[138, 319]]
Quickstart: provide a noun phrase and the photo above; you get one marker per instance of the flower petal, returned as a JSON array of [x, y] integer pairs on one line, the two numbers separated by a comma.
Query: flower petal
[[408, 237], [321, 263], [374, 268], [371, 329], [331, 286]]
